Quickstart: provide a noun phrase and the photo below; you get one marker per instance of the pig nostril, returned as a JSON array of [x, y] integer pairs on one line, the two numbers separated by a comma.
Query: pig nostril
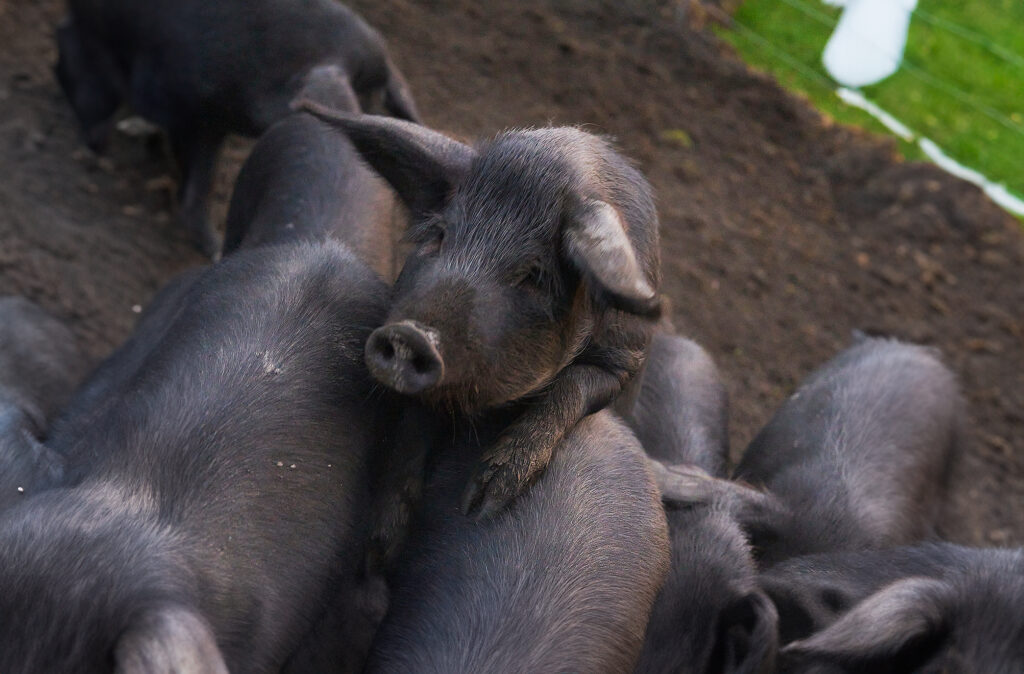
[[421, 364], [387, 350]]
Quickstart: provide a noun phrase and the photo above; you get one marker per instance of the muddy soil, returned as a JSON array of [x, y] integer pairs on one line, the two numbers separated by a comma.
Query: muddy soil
[[781, 232]]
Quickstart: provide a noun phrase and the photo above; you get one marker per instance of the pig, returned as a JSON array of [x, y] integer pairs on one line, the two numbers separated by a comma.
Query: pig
[[532, 284], [561, 581], [203, 69], [710, 616], [934, 607], [305, 181], [40, 366], [213, 515], [859, 457]]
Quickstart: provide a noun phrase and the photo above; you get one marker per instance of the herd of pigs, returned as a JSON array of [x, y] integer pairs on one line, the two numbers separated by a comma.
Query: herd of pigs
[[491, 456]]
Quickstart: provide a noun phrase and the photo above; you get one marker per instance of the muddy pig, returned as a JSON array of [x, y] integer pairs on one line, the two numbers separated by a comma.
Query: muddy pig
[[710, 616], [305, 181], [205, 68], [933, 608], [40, 365], [214, 502], [857, 458], [533, 283], [561, 581]]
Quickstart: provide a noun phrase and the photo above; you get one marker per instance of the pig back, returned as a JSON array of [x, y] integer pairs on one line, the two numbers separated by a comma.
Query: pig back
[[305, 181], [562, 581]]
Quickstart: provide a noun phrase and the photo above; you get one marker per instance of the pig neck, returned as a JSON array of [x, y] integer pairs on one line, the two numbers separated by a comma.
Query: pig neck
[[462, 438], [483, 430]]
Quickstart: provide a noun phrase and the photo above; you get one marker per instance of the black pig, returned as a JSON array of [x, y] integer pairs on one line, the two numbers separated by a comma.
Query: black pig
[[40, 365], [710, 617], [857, 458], [932, 608], [218, 475], [562, 581], [205, 68], [533, 283], [305, 181]]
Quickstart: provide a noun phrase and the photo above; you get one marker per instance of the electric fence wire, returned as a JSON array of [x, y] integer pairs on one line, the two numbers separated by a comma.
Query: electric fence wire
[[922, 74], [994, 48], [817, 78]]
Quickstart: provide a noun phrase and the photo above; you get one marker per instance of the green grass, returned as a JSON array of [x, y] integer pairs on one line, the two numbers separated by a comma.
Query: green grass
[[961, 84]]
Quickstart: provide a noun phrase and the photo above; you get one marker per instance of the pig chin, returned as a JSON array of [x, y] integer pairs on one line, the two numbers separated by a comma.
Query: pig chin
[[460, 397], [471, 394]]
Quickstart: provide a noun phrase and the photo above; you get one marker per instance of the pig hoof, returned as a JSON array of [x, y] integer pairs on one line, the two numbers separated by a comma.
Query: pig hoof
[[491, 490]]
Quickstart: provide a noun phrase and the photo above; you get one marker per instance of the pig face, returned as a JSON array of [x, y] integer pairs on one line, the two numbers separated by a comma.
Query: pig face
[[489, 287], [519, 251]]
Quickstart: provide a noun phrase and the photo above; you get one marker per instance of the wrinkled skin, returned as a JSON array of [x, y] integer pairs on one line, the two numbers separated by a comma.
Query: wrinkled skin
[[931, 609], [533, 284], [561, 581], [190, 534], [202, 69], [40, 365], [857, 458], [709, 617], [304, 181]]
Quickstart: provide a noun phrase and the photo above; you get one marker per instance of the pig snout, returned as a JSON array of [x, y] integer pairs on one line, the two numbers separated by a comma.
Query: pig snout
[[405, 357]]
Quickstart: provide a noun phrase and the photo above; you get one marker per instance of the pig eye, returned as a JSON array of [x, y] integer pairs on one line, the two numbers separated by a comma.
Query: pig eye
[[429, 236], [531, 277]]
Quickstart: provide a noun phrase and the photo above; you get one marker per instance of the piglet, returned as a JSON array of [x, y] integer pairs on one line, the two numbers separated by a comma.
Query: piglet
[[214, 510], [203, 69], [532, 286], [857, 458]]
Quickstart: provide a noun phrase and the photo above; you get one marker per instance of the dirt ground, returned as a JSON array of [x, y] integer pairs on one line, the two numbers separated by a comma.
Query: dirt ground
[[781, 232]]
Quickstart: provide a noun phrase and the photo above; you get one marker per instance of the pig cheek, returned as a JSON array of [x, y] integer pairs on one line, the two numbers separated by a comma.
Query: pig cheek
[[506, 348], [531, 358]]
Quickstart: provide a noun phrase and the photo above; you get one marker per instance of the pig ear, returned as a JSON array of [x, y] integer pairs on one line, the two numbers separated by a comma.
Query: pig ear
[[684, 485], [422, 165], [596, 243], [169, 640], [747, 635], [899, 621]]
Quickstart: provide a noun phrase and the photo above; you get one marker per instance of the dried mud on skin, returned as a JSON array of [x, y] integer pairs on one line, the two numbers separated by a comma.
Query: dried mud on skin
[[781, 233]]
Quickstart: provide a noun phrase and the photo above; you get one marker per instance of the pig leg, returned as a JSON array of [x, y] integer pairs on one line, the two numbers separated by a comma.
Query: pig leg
[[399, 482], [526, 448], [197, 156]]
